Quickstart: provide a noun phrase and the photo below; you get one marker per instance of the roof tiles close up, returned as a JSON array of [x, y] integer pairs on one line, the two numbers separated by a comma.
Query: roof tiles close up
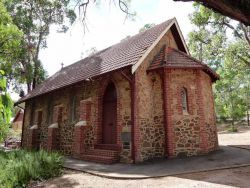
[[173, 58]]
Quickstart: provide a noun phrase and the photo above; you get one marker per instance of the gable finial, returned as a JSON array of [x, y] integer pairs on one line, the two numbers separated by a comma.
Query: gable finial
[[62, 65]]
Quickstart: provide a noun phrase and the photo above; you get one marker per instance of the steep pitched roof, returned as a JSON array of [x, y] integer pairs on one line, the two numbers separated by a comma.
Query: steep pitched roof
[[125, 53], [18, 116], [174, 58]]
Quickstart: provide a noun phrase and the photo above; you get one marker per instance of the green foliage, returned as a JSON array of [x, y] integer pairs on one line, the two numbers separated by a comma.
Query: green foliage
[[5, 108], [226, 52], [17, 168], [34, 18], [232, 129], [10, 37]]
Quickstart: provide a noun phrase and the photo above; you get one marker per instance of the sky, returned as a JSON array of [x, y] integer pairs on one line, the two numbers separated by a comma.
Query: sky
[[106, 27]]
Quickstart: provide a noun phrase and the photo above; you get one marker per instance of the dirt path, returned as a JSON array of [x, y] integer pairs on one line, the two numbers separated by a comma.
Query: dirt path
[[240, 138], [236, 177]]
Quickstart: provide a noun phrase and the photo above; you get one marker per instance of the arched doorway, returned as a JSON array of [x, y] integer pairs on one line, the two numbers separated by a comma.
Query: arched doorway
[[109, 127]]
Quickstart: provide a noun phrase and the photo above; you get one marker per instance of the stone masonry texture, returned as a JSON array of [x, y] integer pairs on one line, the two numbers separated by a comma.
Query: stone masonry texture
[[161, 129]]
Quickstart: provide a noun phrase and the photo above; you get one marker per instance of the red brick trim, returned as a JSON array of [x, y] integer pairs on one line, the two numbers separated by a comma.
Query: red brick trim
[[135, 127], [168, 95], [214, 115], [78, 140], [85, 110], [102, 88], [53, 142], [201, 114]]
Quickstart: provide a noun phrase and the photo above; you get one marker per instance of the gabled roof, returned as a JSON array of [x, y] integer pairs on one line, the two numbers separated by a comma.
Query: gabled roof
[[129, 52], [173, 58], [18, 116]]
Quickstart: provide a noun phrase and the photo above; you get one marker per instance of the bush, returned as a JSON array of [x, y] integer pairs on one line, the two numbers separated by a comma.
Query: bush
[[233, 129], [17, 168]]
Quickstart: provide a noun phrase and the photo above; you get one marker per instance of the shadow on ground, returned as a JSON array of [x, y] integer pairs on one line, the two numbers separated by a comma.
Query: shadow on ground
[[62, 181], [225, 157], [238, 177]]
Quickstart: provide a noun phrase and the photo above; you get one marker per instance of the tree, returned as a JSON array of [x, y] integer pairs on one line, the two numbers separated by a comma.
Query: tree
[[10, 37], [235, 9], [34, 18], [211, 29], [230, 91], [6, 105], [10, 42], [228, 54]]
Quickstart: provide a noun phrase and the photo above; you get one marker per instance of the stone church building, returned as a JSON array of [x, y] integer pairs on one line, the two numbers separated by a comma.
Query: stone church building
[[140, 99]]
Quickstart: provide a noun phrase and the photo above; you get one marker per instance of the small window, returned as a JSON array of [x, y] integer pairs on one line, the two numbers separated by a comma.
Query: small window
[[184, 100]]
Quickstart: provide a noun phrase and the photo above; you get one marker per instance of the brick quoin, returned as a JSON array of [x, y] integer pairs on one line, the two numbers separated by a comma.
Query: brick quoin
[[53, 143], [168, 113], [53, 139], [79, 131], [135, 129], [203, 135], [78, 147]]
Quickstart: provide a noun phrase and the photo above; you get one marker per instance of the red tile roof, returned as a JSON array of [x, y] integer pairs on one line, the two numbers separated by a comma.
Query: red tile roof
[[123, 54], [173, 58]]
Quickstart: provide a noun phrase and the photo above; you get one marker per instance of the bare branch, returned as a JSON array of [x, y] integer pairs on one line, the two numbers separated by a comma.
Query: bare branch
[[83, 5], [246, 32]]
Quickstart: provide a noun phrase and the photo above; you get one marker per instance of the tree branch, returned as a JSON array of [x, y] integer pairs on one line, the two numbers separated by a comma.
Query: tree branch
[[244, 60], [232, 27], [246, 33]]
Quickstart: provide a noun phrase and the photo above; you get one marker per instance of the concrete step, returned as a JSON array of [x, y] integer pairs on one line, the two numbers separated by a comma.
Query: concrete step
[[102, 152], [113, 147], [99, 159]]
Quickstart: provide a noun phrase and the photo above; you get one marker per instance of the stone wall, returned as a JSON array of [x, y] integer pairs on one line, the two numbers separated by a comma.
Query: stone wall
[[150, 120], [209, 111], [92, 91], [192, 135]]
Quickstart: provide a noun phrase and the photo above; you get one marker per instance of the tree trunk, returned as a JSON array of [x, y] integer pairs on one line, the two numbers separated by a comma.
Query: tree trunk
[[28, 87], [233, 126], [248, 118]]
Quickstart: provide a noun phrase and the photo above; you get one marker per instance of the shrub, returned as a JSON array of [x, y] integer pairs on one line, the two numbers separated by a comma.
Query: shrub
[[17, 168], [233, 129]]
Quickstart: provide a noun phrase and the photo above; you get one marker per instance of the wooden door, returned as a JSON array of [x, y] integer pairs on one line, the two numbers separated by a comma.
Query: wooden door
[[109, 115]]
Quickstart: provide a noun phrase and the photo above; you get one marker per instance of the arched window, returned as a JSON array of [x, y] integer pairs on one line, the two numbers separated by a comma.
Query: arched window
[[184, 101]]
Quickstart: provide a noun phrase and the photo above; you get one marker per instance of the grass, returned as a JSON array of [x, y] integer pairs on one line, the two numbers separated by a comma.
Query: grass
[[18, 168]]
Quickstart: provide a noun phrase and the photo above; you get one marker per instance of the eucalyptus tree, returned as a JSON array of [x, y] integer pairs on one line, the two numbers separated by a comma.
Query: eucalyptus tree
[[35, 18], [223, 44]]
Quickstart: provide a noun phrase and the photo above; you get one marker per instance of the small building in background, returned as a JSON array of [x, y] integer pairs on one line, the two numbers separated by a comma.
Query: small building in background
[[17, 122]]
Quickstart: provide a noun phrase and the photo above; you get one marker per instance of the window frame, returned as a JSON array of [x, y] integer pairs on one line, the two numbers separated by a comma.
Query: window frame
[[184, 100]]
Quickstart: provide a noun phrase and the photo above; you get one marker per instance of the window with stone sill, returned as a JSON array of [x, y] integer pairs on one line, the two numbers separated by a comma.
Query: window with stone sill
[[184, 101]]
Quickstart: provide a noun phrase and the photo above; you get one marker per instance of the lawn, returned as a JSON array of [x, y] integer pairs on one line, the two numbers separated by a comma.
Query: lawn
[[18, 168]]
